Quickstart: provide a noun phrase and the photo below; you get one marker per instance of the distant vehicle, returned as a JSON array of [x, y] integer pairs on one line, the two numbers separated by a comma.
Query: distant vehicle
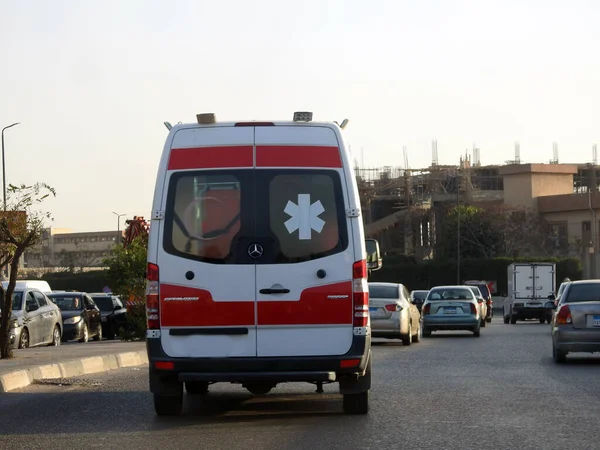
[[576, 325], [393, 315], [35, 319], [112, 312], [451, 308], [81, 316], [531, 292], [40, 285], [481, 302], [418, 297], [487, 295]]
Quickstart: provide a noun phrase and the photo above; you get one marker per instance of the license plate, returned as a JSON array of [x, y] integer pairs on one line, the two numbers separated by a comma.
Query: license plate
[[534, 305], [597, 321], [373, 308], [449, 310]]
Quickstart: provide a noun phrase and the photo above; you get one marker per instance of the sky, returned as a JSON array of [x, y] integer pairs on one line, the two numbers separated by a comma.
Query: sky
[[92, 83]]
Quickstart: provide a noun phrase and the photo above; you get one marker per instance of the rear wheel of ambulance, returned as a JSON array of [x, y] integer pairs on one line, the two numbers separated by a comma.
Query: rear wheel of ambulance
[[168, 405], [358, 402]]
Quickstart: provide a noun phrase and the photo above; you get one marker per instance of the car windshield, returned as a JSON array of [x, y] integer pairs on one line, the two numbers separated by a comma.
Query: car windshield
[[585, 292], [421, 295], [378, 291], [450, 294], [104, 303], [475, 291], [65, 303], [17, 301]]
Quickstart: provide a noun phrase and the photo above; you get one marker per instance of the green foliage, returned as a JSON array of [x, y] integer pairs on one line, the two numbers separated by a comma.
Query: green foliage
[[426, 274], [92, 281]]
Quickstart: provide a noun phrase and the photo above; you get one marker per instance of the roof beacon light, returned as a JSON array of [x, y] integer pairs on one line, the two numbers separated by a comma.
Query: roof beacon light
[[344, 123], [168, 125], [302, 116], [206, 118]]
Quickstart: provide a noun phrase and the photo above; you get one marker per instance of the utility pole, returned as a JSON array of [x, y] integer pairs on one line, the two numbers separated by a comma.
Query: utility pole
[[458, 226], [4, 163], [118, 226]]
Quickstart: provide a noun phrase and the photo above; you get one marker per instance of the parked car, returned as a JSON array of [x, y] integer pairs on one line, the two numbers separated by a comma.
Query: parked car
[[35, 319], [80, 315], [393, 314], [418, 297], [487, 295], [451, 308], [560, 291], [576, 323], [112, 312], [482, 303]]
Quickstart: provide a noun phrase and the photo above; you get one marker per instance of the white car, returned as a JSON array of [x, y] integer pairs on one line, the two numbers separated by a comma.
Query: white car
[[451, 308], [393, 314], [257, 262]]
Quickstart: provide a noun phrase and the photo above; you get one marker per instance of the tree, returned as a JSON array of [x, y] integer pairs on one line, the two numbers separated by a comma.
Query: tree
[[479, 235], [21, 228], [126, 268]]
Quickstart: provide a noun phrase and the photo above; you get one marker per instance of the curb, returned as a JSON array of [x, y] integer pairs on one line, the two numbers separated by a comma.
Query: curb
[[23, 378]]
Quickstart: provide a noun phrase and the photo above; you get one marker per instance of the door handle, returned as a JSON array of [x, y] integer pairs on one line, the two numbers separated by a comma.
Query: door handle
[[274, 291]]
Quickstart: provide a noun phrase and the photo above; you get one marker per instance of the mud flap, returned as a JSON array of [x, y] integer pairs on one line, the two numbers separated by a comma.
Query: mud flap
[[353, 385], [165, 385]]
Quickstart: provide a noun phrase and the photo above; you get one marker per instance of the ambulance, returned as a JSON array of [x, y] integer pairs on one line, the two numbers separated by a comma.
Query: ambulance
[[257, 262]]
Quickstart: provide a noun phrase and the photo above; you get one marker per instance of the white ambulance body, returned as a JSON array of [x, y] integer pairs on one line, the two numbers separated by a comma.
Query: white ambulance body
[[256, 262]]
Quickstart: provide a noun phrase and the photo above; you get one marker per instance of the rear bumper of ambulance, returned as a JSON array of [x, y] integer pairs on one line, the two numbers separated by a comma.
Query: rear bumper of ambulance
[[351, 365]]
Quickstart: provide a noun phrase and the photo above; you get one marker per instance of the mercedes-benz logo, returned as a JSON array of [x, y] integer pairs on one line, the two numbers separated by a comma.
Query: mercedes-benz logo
[[255, 251]]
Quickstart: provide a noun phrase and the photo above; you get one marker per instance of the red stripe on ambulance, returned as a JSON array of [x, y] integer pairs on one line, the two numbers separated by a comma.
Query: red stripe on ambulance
[[211, 157], [297, 156], [330, 304], [189, 307]]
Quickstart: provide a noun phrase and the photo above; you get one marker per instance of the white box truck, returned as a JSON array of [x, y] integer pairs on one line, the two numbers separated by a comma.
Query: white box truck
[[531, 290]]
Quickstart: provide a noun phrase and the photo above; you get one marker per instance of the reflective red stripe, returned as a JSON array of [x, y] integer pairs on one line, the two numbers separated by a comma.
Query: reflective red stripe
[[329, 304], [297, 156], [211, 157], [189, 307]]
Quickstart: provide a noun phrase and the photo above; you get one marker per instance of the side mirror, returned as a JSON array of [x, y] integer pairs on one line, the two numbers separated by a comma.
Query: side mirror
[[374, 261], [552, 297], [116, 308], [91, 307], [479, 300], [31, 308]]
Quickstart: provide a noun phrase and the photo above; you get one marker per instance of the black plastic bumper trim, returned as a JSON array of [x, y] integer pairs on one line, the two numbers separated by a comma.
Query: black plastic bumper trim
[[260, 376]]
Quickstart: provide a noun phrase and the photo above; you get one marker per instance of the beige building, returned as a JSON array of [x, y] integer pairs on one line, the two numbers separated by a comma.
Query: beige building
[[64, 249]]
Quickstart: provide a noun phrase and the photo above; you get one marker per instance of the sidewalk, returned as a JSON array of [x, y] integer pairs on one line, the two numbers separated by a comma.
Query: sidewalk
[[68, 360]]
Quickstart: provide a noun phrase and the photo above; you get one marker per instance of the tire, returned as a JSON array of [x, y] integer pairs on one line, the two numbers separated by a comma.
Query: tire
[[196, 387], [482, 323], [56, 337], [488, 319], [86, 334], [168, 405], [417, 337], [560, 356], [98, 336], [406, 340], [542, 320], [356, 403], [24, 339], [506, 320], [426, 332], [477, 332], [513, 320]]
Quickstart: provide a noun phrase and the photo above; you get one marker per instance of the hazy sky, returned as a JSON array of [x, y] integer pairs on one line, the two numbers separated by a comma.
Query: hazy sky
[[92, 83]]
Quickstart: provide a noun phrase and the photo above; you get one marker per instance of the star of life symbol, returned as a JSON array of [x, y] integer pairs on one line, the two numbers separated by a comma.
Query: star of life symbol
[[304, 216]]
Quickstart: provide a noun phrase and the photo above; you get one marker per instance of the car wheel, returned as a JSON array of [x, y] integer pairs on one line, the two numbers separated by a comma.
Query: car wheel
[[98, 336], [85, 334], [513, 320], [426, 332], [482, 323], [506, 320], [417, 337], [406, 340], [24, 339], [110, 334], [168, 405], [356, 403], [560, 356], [488, 319], [477, 332], [55, 337]]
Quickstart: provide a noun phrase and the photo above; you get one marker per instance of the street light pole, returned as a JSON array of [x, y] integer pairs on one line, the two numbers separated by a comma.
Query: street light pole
[[3, 162], [118, 226], [458, 229]]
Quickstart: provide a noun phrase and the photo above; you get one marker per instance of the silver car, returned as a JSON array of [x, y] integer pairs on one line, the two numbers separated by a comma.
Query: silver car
[[35, 320], [482, 304], [576, 322], [451, 308], [393, 315]]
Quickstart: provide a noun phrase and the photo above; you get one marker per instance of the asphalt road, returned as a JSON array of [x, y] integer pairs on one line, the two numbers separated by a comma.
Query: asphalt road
[[451, 391]]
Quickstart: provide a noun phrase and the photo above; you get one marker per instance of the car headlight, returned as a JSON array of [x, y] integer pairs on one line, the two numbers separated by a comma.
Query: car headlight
[[72, 320], [14, 323]]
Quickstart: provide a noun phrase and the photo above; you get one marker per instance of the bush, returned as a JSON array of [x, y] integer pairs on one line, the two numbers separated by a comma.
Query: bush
[[427, 274], [93, 281]]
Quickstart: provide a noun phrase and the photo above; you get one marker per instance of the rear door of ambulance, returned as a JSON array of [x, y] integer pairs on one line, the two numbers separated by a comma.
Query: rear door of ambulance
[[207, 279], [304, 275]]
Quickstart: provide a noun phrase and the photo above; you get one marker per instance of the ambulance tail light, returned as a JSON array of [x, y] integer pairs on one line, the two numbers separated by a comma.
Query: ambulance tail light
[[152, 297], [360, 289]]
